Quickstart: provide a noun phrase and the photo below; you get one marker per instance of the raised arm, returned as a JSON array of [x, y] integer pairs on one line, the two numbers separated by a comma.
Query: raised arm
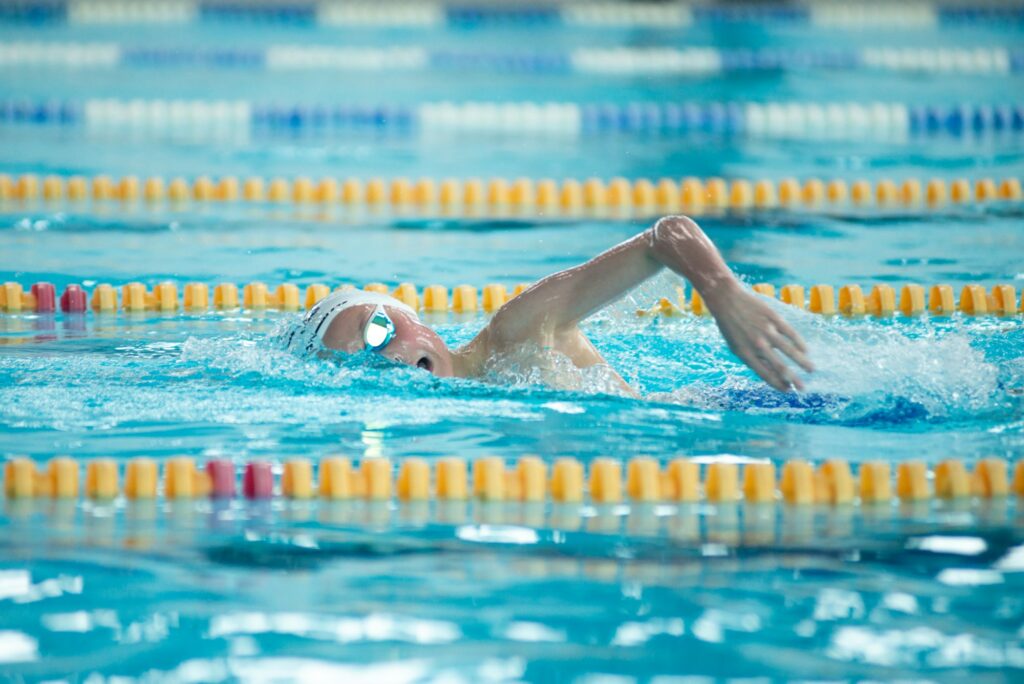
[[750, 327]]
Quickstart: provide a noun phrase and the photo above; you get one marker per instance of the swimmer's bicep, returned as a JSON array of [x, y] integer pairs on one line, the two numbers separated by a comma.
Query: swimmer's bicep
[[563, 299]]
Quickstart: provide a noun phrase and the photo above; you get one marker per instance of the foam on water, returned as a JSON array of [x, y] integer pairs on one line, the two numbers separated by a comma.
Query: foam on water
[[883, 366], [867, 372]]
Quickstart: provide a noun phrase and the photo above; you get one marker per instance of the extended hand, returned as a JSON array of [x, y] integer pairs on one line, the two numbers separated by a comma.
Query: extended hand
[[754, 332]]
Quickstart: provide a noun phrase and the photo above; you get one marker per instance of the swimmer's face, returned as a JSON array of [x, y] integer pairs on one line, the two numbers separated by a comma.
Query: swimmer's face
[[414, 343]]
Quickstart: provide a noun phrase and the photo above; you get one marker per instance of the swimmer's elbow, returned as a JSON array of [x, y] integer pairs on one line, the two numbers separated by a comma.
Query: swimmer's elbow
[[671, 231], [678, 243]]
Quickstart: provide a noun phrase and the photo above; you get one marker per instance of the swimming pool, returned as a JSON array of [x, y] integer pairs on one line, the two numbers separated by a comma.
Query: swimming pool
[[411, 591]]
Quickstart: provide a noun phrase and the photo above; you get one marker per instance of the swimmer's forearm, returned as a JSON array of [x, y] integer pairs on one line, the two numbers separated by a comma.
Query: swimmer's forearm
[[679, 244], [562, 300], [753, 331]]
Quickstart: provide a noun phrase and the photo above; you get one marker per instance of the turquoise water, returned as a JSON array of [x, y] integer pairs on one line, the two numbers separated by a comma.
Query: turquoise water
[[244, 591]]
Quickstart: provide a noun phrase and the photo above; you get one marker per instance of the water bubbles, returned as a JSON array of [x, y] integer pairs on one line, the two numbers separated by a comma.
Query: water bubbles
[[869, 373]]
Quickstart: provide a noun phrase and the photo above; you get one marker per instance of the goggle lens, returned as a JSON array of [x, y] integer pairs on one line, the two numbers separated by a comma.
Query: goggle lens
[[379, 330]]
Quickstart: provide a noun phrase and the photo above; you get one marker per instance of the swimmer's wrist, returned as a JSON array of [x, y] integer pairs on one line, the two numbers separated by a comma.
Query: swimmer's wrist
[[720, 290]]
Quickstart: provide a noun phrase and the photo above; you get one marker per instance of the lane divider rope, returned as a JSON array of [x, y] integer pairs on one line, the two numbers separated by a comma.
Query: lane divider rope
[[839, 120], [618, 61], [530, 479], [881, 301], [545, 197], [674, 15]]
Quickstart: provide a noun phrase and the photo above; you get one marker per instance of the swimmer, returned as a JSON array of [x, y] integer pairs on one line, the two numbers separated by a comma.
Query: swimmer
[[546, 316]]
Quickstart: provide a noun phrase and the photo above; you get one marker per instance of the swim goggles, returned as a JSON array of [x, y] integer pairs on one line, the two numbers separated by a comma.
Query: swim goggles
[[379, 329]]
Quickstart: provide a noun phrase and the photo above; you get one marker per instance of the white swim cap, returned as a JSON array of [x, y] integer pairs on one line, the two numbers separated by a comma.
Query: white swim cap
[[309, 335]]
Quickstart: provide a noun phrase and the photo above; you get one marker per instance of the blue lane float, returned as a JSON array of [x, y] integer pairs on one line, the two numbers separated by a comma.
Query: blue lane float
[[851, 120], [286, 13], [616, 61], [463, 15]]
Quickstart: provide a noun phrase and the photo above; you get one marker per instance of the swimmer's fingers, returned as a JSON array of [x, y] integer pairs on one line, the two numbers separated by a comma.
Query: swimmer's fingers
[[766, 374], [785, 344], [783, 372], [772, 369], [786, 329]]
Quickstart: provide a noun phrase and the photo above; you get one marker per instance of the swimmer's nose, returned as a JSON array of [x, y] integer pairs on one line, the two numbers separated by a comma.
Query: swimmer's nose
[[408, 354]]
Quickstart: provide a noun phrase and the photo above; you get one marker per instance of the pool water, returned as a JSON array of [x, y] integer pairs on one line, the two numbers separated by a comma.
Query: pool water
[[368, 593]]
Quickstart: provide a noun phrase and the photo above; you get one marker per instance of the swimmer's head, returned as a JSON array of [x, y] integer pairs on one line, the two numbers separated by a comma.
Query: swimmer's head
[[339, 322]]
